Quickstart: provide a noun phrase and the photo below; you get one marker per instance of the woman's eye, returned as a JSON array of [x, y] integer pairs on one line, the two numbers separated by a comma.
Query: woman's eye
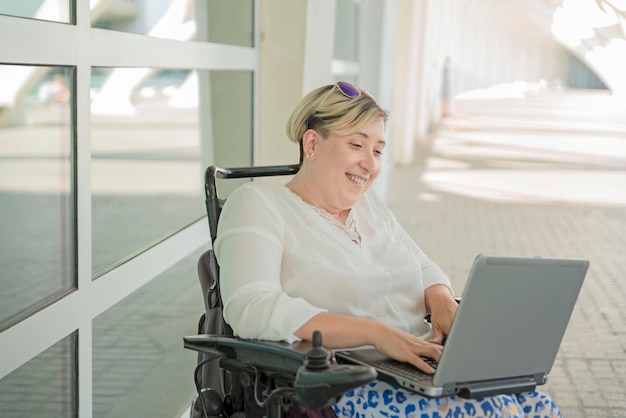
[[379, 153], [356, 145]]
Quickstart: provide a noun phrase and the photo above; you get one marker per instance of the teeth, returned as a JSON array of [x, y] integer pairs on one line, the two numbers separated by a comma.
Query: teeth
[[358, 180]]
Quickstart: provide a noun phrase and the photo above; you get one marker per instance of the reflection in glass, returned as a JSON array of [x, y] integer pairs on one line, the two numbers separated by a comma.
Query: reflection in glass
[[36, 222], [218, 21], [46, 386], [54, 10], [140, 368], [147, 157]]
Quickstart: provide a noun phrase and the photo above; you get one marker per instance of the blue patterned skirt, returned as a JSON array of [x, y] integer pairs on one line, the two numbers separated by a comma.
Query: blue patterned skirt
[[379, 399]]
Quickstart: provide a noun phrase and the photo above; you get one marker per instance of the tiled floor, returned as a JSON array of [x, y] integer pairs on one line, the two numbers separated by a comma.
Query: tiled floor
[[545, 175]]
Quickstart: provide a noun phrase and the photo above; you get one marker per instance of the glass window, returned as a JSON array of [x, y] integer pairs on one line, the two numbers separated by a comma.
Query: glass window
[[154, 132], [229, 22], [54, 10], [140, 368], [46, 386], [36, 204]]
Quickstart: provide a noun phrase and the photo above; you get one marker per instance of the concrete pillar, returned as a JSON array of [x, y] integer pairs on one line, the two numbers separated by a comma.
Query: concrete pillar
[[282, 25], [319, 44], [409, 45]]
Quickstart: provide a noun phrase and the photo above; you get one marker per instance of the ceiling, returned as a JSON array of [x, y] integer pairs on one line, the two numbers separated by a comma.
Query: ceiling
[[593, 30]]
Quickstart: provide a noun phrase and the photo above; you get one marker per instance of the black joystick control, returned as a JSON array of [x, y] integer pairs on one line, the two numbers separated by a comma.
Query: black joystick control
[[319, 383], [317, 357]]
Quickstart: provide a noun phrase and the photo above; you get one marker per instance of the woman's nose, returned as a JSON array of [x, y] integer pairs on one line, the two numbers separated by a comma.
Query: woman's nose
[[370, 162]]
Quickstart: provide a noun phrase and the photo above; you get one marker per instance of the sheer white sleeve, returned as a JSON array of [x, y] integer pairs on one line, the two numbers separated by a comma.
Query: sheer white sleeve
[[249, 251]]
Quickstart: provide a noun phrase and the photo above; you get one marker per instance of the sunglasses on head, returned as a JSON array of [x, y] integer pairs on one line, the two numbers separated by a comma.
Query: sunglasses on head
[[347, 89]]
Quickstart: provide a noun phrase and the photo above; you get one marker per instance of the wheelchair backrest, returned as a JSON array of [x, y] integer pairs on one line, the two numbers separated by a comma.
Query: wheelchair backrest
[[212, 321], [214, 204]]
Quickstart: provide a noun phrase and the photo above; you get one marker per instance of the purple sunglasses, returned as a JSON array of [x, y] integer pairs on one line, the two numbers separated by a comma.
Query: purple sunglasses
[[347, 89]]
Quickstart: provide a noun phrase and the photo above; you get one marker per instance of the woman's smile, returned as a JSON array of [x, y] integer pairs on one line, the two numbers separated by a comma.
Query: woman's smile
[[356, 179]]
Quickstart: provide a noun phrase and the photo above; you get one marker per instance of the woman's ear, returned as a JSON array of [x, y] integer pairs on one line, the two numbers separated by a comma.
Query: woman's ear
[[309, 141]]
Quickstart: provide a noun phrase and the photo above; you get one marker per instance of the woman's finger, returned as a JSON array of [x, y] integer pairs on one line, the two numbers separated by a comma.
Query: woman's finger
[[421, 364]]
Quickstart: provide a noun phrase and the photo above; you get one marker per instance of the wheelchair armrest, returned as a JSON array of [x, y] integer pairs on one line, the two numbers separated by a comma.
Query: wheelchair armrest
[[276, 356], [317, 382]]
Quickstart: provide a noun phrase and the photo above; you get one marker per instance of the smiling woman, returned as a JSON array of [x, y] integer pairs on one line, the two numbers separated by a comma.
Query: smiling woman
[[341, 131], [339, 168], [324, 253]]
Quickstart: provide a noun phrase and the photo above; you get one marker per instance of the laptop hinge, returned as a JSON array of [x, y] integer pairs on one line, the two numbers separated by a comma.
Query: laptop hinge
[[481, 389]]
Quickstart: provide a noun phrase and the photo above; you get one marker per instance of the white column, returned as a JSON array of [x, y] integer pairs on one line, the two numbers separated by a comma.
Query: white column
[[319, 44], [409, 44], [282, 25]]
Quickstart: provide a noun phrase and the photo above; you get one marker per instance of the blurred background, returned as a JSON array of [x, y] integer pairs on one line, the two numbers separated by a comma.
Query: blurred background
[[507, 135]]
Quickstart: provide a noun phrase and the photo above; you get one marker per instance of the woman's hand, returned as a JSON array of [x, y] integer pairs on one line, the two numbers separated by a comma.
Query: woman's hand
[[442, 308], [406, 347], [341, 331]]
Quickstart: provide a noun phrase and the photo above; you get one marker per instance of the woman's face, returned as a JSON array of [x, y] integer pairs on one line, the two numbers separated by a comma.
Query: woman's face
[[345, 166]]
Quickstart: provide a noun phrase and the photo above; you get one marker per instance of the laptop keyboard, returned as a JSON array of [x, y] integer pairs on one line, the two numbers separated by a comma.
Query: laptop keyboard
[[405, 369]]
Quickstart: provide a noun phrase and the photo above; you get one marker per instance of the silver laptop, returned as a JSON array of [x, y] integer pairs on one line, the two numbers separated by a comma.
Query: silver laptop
[[506, 332]]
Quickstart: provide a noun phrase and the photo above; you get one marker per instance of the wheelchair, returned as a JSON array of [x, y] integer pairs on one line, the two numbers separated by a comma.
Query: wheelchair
[[239, 378]]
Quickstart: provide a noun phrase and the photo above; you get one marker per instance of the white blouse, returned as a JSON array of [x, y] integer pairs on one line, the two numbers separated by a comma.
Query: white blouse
[[281, 263]]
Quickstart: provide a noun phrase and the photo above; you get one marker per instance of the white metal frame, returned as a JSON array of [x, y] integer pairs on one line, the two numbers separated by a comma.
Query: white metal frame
[[32, 42]]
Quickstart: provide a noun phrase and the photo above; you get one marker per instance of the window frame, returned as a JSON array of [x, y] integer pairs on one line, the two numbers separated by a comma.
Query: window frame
[[82, 47]]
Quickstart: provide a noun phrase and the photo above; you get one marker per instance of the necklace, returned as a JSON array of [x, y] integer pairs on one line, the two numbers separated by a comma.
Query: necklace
[[350, 228]]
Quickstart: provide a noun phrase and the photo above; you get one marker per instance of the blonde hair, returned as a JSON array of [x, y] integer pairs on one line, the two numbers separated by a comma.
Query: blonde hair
[[326, 109]]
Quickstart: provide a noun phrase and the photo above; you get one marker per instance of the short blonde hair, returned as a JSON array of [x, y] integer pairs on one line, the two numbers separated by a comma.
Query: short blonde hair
[[326, 109]]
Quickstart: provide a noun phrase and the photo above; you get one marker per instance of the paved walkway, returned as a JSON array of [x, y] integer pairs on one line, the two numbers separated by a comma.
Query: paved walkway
[[541, 176]]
